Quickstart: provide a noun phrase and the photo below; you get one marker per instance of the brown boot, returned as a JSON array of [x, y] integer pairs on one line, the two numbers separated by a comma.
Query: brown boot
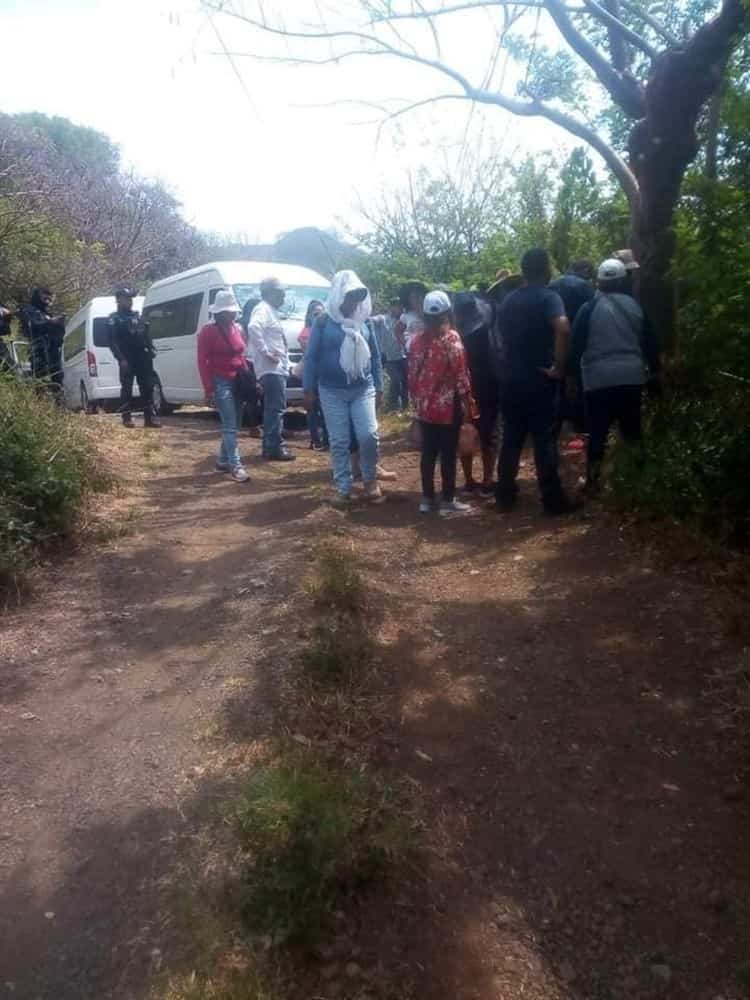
[[373, 493]]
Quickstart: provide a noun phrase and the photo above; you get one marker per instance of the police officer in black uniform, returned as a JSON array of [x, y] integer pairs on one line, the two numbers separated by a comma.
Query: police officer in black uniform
[[45, 333], [130, 342]]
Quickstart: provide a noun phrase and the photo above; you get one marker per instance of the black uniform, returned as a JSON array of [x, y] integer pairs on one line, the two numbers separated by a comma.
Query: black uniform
[[131, 344], [46, 336], [6, 361]]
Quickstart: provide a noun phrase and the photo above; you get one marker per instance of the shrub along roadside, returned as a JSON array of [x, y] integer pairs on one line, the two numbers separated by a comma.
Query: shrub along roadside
[[48, 467], [316, 835], [694, 464]]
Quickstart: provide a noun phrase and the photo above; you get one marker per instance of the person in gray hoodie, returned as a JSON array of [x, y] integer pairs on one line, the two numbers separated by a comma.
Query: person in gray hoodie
[[616, 352]]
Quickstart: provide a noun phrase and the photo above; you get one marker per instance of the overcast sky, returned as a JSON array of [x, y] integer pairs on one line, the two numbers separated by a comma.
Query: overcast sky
[[256, 159]]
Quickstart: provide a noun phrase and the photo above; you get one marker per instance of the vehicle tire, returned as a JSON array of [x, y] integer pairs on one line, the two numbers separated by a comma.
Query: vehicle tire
[[86, 405], [161, 407]]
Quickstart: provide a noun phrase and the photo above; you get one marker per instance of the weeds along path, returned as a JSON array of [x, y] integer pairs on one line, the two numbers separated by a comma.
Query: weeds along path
[[541, 697]]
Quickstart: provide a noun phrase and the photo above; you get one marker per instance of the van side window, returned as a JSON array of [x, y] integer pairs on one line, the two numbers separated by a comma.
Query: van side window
[[75, 342], [178, 318], [101, 332]]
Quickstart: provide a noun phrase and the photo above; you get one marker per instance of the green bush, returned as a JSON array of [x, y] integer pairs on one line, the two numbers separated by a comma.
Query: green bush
[[337, 583], [694, 464], [48, 465], [316, 836]]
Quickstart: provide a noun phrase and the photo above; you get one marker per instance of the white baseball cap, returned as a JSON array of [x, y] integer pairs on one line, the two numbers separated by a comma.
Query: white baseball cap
[[436, 303], [611, 270], [225, 301]]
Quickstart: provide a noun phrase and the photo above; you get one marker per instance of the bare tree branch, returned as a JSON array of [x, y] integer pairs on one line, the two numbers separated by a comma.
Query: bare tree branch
[[624, 89], [656, 26], [623, 31], [533, 108]]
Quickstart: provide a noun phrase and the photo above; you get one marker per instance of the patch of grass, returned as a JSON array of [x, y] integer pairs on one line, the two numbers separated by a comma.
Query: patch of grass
[[394, 424], [337, 650], [48, 467], [337, 583], [316, 837], [236, 986]]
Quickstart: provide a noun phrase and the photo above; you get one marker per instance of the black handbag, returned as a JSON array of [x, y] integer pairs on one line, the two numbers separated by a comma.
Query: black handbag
[[245, 385]]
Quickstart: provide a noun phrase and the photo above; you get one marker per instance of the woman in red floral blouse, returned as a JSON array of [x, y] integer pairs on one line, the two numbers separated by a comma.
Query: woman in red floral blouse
[[440, 388]]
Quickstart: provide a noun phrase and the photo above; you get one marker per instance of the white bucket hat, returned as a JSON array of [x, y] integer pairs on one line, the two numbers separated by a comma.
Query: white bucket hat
[[225, 301]]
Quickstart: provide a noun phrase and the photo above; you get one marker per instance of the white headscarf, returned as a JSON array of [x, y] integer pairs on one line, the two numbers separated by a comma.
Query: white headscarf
[[355, 352]]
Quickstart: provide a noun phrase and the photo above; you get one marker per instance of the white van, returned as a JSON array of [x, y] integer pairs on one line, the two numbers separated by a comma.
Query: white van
[[176, 308], [91, 375]]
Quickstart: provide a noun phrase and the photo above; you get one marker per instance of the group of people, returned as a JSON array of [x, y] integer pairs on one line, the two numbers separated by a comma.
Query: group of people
[[484, 369], [494, 368]]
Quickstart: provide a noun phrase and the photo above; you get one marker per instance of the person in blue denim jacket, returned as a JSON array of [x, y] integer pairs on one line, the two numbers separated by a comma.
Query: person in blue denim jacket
[[344, 371]]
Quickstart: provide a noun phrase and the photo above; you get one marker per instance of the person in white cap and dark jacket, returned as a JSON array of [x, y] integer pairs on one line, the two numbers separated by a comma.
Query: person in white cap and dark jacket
[[268, 349], [440, 389], [221, 357], [616, 352]]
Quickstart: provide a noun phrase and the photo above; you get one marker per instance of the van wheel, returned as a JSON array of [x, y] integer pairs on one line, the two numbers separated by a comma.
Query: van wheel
[[161, 406], [86, 405]]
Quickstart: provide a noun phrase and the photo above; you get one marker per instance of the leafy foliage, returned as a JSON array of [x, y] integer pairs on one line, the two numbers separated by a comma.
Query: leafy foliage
[[48, 467], [70, 216]]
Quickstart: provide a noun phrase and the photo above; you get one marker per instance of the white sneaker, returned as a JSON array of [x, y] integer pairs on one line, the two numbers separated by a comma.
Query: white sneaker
[[239, 475], [450, 507], [426, 506]]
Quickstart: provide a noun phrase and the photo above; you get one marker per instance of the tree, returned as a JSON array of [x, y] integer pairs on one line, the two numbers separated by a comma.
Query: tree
[[436, 224], [576, 209], [71, 217], [658, 73]]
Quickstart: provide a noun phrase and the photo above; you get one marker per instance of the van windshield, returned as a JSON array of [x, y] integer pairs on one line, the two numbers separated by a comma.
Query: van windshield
[[298, 298]]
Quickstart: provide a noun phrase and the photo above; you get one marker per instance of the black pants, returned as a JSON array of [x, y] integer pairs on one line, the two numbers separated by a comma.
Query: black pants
[[398, 385], [530, 410], [620, 404], [46, 360], [442, 440], [140, 368]]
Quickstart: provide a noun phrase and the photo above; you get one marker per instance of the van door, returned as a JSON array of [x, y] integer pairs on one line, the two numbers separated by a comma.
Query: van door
[[74, 366], [174, 329], [107, 370]]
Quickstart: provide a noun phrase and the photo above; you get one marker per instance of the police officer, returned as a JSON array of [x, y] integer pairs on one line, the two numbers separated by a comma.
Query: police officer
[[130, 342], [45, 333], [6, 361]]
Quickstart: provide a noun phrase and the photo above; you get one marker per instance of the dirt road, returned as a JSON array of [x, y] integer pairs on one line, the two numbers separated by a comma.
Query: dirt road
[[548, 695]]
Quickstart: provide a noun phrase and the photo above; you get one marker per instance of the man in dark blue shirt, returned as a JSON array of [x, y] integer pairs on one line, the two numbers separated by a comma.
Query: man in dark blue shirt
[[535, 333]]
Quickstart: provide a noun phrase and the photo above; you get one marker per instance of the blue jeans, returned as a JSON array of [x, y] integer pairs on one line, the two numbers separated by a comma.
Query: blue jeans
[[229, 411], [344, 408], [274, 404]]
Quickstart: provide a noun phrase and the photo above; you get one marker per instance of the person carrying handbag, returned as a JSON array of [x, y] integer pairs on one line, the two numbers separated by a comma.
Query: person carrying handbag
[[440, 389], [615, 352], [226, 377]]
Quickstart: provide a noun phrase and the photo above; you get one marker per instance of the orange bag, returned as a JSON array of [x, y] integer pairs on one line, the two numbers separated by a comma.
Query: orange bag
[[468, 440]]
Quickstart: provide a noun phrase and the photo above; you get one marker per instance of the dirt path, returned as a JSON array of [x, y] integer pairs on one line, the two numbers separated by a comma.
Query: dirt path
[[585, 801]]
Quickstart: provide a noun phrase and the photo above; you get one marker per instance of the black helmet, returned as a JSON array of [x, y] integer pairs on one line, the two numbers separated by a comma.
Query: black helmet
[[123, 292]]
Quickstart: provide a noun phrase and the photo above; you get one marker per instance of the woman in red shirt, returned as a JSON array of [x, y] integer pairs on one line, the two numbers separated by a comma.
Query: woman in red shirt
[[221, 354], [440, 388]]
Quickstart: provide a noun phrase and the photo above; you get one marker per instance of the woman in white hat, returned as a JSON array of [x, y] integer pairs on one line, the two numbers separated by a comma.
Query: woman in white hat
[[221, 357]]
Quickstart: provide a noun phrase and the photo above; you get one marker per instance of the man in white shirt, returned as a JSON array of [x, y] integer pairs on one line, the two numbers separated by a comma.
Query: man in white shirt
[[268, 349]]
